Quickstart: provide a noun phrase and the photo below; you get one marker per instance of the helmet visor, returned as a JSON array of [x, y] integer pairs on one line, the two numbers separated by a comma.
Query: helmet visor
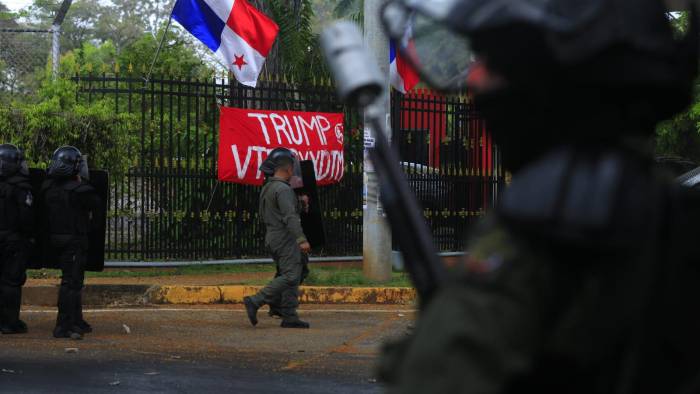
[[297, 180], [432, 35], [438, 54], [83, 169]]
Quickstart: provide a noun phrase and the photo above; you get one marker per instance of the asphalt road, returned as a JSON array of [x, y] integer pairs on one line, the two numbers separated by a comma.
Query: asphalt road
[[202, 349]]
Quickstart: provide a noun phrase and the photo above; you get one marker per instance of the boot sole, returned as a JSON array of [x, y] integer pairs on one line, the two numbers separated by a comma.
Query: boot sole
[[14, 332], [294, 326]]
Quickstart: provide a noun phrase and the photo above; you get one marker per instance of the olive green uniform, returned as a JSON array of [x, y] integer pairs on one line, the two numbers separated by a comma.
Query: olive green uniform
[[279, 211], [523, 313]]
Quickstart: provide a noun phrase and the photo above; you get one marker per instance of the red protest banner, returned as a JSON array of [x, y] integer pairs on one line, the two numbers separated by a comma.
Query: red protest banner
[[247, 136]]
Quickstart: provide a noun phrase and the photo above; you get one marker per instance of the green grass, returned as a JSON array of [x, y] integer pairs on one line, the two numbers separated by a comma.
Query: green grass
[[351, 277], [319, 276]]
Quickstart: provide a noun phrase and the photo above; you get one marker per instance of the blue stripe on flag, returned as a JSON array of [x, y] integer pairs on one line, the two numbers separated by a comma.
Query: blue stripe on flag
[[392, 51], [200, 21]]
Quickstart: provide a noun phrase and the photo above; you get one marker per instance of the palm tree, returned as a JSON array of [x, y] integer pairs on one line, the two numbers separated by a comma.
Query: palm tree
[[296, 53], [350, 9]]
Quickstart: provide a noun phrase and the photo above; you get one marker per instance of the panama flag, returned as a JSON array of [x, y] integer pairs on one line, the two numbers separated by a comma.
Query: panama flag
[[403, 77], [238, 34]]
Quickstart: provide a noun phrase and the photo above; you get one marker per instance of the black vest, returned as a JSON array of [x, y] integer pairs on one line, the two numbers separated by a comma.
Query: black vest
[[64, 213], [9, 209]]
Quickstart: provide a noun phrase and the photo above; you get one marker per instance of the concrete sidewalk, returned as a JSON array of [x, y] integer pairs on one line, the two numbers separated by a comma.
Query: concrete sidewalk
[[144, 294]]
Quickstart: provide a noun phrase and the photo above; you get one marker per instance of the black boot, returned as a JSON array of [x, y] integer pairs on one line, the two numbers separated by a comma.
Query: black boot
[[274, 312], [252, 310], [66, 323], [84, 326], [72, 333], [294, 323], [18, 327], [9, 311]]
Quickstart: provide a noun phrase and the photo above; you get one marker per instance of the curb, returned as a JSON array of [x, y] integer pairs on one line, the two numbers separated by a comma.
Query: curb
[[123, 295], [192, 295]]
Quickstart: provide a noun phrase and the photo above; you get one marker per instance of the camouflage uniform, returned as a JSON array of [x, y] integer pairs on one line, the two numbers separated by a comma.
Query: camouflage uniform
[[553, 306], [279, 211]]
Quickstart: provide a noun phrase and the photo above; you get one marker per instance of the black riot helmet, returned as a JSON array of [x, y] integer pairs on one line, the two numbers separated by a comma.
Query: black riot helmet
[[12, 161], [67, 162], [280, 157], [546, 72]]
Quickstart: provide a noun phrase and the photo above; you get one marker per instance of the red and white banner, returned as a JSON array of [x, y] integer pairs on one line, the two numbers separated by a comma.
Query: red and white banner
[[247, 136]]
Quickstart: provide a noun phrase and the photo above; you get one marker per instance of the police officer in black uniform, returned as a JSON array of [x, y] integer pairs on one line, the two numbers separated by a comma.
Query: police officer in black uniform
[[70, 203], [16, 226]]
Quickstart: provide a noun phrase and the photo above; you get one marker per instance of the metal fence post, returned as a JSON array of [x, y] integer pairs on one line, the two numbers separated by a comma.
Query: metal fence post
[[55, 49]]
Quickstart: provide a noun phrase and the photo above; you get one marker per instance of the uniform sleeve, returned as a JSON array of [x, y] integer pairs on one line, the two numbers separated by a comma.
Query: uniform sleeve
[[287, 202], [478, 334], [25, 202]]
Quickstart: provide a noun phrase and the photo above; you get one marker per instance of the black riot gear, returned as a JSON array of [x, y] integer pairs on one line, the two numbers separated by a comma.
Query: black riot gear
[[12, 161], [16, 227], [72, 210], [17, 200], [65, 215], [67, 161]]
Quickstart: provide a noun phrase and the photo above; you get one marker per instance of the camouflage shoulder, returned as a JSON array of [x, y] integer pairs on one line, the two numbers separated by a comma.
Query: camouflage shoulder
[[491, 248]]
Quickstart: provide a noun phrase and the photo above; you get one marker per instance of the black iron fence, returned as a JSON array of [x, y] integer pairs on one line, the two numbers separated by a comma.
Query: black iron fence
[[168, 205]]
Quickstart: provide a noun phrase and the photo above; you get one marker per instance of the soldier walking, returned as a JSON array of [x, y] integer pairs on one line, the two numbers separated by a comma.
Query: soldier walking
[[16, 225], [279, 210]]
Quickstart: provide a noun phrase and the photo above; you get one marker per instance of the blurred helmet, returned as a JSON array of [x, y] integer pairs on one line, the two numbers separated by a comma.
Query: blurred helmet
[[12, 161], [543, 72], [67, 161]]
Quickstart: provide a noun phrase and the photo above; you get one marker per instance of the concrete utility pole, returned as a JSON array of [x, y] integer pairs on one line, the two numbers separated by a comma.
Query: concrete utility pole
[[56, 36], [55, 49], [376, 245]]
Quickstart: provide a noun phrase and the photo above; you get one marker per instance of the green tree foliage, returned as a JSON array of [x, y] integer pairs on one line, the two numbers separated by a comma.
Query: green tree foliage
[[56, 119], [296, 52], [122, 21], [350, 9], [680, 136]]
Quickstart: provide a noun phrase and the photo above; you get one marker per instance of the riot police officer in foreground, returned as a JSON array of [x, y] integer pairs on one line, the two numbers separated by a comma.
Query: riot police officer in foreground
[[279, 210], [16, 226], [585, 278], [582, 279], [70, 204]]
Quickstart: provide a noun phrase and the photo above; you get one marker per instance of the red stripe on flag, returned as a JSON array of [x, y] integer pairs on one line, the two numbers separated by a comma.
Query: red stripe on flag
[[254, 27], [408, 74]]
